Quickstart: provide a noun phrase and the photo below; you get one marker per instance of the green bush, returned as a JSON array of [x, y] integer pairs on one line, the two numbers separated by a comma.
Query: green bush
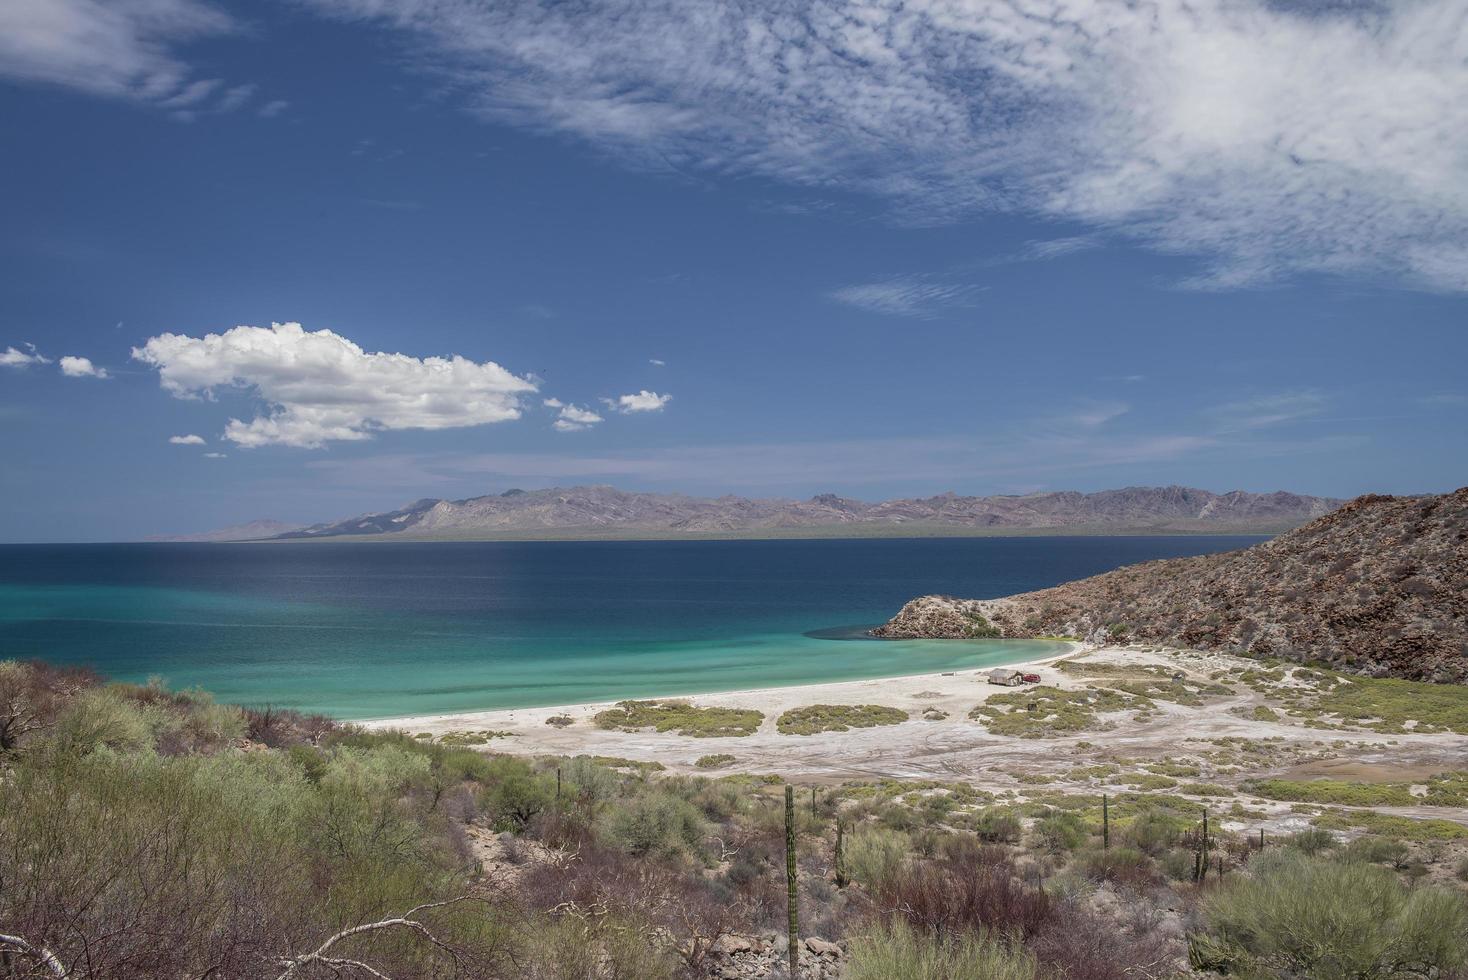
[[1060, 830], [680, 717], [1377, 850], [1295, 915], [656, 822], [899, 952], [875, 856], [998, 825], [716, 761], [837, 718], [515, 794]]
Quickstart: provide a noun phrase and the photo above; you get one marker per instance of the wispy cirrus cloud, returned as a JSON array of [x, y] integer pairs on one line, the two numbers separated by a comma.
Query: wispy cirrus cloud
[[125, 49], [1267, 139], [921, 297], [1264, 411]]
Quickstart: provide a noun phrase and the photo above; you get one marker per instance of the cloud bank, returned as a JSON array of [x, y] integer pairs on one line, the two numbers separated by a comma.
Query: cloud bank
[[1270, 139], [320, 387]]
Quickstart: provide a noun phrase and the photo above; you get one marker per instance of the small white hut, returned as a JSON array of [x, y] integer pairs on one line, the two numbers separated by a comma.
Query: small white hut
[[1006, 677]]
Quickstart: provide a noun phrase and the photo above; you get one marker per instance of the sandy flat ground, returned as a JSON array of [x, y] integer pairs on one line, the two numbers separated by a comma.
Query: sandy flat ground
[[957, 748]]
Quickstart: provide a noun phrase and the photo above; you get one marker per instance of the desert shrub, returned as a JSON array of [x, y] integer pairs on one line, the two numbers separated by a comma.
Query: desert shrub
[[560, 721], [1301, 916], [716, 761], [515, 794], [680, 717], [1377, 850], [656, 822], [1178, 864], [952, 896], [1152, 831], [32, 694], [575, 948], [837, 718], [874, 856], [897, 952], [103, 718], [1119, 865], [1079, 943], [1060, 830], [998, 825]]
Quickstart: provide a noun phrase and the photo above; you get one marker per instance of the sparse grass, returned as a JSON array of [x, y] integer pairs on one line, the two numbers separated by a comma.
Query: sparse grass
[[1387, 704], [1262, 712], [680, 717], [1147, 781], [934, 714], [716, 761], [837, 718], [1390, 825], [560, 721], [1056, 712], [1444, 789], [1204, 789], [480, 736]]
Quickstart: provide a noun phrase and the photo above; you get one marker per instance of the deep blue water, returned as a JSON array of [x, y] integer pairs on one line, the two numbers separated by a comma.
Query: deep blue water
[[376, 630]]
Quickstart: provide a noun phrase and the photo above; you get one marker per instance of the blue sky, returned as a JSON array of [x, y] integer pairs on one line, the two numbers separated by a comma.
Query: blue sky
[[872, 249]]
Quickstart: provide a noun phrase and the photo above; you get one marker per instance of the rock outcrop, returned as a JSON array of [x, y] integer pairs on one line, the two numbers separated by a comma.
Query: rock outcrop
[[1378, 587]]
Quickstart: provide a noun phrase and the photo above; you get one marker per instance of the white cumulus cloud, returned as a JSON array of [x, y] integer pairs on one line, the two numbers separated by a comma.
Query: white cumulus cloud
[[572, 418], [216, 455], [320, 387], [1269, 139], [81, 367], [188, 440], [11, 357], [642, 401]]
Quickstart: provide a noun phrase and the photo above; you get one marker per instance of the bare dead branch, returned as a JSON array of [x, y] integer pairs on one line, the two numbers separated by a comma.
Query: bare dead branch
[[41, 953]]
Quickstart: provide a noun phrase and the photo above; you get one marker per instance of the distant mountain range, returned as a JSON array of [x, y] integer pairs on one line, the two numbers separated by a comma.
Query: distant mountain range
[[606, 512], [1379, 587], [253, 531]]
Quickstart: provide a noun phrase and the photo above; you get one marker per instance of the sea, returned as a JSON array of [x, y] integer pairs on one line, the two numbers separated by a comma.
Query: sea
[[365, 630]]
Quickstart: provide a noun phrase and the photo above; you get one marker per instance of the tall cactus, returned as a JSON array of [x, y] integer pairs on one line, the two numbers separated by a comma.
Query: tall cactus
[[841, 881], [1105, 822], [790, 882]]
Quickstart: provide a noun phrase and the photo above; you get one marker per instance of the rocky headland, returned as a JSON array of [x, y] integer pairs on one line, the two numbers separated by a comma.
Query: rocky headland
[[1378, 587]]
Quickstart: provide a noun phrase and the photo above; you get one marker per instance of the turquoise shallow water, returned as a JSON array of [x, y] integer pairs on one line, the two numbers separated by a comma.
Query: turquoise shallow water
[[377, 630]]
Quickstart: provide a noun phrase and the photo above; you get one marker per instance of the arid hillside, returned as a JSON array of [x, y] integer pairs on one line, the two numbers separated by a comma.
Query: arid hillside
[[1378, 587]]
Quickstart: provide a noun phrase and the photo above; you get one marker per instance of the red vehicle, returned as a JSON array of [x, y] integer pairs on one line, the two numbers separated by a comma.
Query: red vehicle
[[1031, 678]]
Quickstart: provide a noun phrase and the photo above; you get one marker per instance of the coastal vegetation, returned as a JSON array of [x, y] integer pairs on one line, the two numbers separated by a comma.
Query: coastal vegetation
[[147, 832], [680, 717], [837, 718], [1045, 712]]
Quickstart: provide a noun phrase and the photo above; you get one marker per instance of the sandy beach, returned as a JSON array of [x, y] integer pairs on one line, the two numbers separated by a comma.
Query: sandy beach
[[955, 747]]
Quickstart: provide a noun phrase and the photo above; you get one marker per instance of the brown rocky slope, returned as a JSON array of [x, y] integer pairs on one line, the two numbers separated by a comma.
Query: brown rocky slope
[[1378, 587]]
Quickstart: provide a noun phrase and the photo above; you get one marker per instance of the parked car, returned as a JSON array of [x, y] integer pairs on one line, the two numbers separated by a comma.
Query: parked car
[[1032, 678]]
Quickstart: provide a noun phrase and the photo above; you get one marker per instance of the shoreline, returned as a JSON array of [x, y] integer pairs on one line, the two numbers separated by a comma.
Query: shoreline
[[484, 717]]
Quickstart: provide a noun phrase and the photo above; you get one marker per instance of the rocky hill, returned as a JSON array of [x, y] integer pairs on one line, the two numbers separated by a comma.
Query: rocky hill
[[1378, 587], [601, 510]]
